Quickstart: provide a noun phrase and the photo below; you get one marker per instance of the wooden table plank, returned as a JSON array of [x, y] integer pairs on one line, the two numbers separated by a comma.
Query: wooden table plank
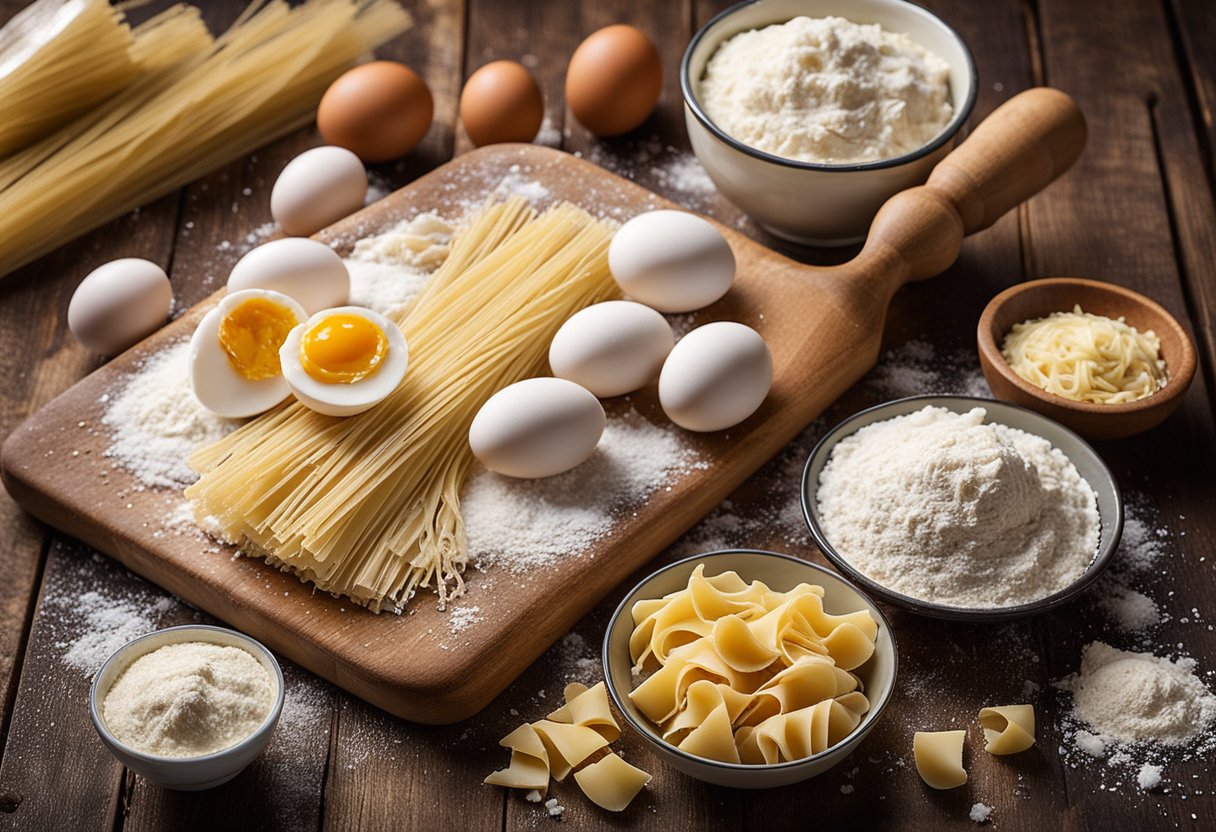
[[1111, 219], [1185, 139], [380, 772]]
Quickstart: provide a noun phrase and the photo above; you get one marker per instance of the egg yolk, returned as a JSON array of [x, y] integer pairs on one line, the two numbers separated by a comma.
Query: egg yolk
[[251, 334], [342, 349]]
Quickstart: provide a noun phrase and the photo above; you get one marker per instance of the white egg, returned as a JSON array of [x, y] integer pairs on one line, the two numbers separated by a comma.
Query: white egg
[[309, 271], [537, 428], [219, 384], [671, 260], [118, 304], [715, 377], [333, 368], [318, 188], [611, 348]]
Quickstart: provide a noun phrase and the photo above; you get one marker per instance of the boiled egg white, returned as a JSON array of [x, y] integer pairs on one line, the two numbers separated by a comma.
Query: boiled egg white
[[345, 360], [537, 428], [672, 261], [234, 353], [304, 269], [611, 348], [715, 377]]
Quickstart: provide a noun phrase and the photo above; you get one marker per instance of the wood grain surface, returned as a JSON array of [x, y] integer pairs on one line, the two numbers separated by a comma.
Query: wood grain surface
[[1137, 211]]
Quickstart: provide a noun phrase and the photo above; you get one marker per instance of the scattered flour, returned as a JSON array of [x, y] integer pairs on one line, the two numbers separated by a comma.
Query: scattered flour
[[521, 525], [578, 660], [1128, 697], [1131, 610], [109, 623], [420, 243], [1149, 776], [517, 183], [980, 813], [383, 287], [554, 808], [461, 618], [156, 422]]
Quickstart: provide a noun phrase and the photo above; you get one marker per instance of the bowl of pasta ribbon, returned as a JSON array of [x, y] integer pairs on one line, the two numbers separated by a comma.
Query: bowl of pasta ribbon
[[749, 669]]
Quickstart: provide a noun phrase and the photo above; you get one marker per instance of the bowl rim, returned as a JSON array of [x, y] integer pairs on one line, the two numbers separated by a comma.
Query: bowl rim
[[933, 609], [870, 717], [1176, 386], [961, 114], [253, 644]]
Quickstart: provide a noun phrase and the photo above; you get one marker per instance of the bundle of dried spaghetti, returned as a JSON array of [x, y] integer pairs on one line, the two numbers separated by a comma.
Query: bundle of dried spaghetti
[[57, 59], [369, 506], [257, 81]]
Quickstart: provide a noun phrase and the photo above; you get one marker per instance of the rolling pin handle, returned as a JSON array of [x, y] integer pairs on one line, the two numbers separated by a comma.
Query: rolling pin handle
[[1017, 151]]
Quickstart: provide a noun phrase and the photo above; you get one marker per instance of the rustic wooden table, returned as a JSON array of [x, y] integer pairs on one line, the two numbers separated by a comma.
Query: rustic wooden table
[[1138, 210]]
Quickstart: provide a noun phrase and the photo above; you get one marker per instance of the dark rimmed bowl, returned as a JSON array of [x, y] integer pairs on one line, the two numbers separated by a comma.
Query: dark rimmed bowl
[[1089, 465], [781, 572], [809, 202]]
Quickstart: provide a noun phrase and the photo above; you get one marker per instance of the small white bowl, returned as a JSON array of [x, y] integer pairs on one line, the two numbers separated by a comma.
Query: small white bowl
[[807, 202], [189, 774], [780, 572]]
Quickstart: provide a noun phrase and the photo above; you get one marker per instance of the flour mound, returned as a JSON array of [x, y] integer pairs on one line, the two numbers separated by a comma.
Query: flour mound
[[1137, 697], [827, 90], [943, 507]]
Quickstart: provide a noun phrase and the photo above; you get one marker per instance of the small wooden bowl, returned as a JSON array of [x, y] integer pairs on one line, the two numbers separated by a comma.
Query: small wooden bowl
[[1040, 298]]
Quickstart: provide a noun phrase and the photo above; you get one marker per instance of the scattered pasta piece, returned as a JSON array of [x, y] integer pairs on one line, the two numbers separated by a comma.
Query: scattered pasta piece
[[939, 758], [1008, 729], [741, 673], [611, 783], [560, 744], [529, 768]]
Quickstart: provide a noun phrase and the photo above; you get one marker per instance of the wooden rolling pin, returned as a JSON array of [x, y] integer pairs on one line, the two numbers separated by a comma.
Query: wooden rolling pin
[[1013, 154]]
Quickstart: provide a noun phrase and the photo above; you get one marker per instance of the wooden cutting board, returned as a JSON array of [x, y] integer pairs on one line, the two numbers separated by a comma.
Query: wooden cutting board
[[823, 327]]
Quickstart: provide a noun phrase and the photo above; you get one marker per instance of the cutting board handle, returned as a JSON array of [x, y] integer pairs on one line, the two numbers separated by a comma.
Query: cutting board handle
[[1013, 154]]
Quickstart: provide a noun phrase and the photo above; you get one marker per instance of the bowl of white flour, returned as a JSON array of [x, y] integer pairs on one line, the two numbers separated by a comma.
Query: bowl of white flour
[[188, 707], [962, 508], [810, 114]]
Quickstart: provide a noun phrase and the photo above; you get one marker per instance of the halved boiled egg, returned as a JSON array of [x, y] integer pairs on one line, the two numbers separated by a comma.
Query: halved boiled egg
[[345, 360], [234, 354]]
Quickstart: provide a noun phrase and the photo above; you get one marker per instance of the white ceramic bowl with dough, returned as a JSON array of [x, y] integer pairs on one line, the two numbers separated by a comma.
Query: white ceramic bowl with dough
[[807, 202], [780, 572], [1089, 465], [186, 773]]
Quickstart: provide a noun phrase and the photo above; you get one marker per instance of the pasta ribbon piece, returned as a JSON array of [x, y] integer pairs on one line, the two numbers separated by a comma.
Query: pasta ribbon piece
[[738, 646], [588, 707], [611, 783], [1008, 729], [567, 745], [702, 698], [529, 766], [713, 739], [939, 758]]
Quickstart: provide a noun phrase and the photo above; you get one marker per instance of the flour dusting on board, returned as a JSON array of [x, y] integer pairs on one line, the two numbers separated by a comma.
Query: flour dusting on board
[[520, 525], [156, 422]]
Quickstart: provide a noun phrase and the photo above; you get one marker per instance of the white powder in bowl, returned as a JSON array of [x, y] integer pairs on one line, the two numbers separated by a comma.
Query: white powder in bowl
[[946, 508], [827, 90], [1137, 697], [189, 699]]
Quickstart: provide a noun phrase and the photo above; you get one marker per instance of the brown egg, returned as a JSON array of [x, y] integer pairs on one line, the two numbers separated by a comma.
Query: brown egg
[[501, 103], [379, 111], [614, 80]]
